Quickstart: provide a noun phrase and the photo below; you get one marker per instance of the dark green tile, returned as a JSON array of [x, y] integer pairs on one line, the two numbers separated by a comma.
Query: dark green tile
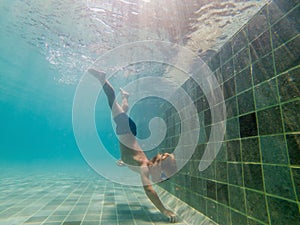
[[253, 176], [289, 85], [202, 205], [284, 5], [257, 25], [218, 75], [231, 107], [269, 121], [256, 206], [187, 86], [215, 62], [194, 167], [248, 126], [207, 131], [260, 46], [232, 129], [273, 149], [186, 196], [199, 91], [221, 171], [235, 174], [222, 193], [201, 187], [275, 13], [266, 94], [239, 40], [238, 218], [211, 189], [229, 88], [250, 150], [207, 117], [202, 104], [293, 15], [194, 184], [212, 211], [237, 198], [246, 102], [223, 215], [210, 172], [243, 80], [241, 60], [293, 143], [233, 151], [296, 177], [283, 212], [291, 116], [227, 70], [287, 56], [222, 155], [180, 179], [263, 69], [254, 222], [194, 201], [284, 29], [278, 181], [226, 52]]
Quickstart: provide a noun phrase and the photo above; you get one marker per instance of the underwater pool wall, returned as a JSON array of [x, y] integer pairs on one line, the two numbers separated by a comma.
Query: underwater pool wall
[[255, 178]]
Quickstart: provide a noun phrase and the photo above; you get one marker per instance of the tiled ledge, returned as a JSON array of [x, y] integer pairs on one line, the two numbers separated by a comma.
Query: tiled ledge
[[188, 214]]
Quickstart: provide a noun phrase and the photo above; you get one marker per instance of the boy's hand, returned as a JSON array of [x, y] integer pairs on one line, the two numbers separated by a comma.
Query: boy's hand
[[172, 216]]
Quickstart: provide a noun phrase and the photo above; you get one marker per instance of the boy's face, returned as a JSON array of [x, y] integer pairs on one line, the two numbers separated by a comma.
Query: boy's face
[[168, 164], [162, 163]]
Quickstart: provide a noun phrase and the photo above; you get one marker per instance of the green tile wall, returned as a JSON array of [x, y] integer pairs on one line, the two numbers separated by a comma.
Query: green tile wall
[[255, 178]]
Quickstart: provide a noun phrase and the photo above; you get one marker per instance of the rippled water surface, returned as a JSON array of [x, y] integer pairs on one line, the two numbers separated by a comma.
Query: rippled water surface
[[71, 34]]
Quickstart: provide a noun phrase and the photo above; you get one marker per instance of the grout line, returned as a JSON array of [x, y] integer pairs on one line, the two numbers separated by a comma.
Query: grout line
[[81, 184], [47, 204], [32, 203], [280, 105], [285, 142], [88, 206], [23, 200]]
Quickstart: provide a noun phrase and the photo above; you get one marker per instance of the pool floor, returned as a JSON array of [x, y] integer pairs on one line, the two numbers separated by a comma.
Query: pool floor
[[67, 199]]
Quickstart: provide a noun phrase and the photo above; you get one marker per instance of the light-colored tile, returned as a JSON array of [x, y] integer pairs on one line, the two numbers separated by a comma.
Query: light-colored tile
[[71, 199]]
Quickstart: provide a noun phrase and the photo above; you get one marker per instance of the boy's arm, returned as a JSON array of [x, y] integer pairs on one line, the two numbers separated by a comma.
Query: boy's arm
[[152, 195]]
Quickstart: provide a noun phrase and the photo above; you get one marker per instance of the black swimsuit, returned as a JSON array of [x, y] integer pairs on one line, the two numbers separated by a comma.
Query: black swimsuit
[[125, 125]]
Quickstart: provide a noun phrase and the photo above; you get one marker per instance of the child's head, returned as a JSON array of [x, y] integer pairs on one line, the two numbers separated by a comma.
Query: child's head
[[168, 164], [163, 166]]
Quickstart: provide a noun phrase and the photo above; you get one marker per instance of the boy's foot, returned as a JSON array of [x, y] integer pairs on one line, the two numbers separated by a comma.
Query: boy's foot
[[124, 93], [100, 75]]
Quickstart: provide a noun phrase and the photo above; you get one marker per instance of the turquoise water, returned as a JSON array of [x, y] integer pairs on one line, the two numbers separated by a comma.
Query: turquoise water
[[44, 53], [38, 84], [35, 109]]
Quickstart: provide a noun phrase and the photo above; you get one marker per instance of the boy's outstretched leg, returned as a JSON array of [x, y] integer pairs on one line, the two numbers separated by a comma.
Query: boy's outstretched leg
[[109, 91], [100, 75]]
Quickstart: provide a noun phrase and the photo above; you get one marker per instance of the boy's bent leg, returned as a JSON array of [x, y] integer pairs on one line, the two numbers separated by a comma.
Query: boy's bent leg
[[125, 96]]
